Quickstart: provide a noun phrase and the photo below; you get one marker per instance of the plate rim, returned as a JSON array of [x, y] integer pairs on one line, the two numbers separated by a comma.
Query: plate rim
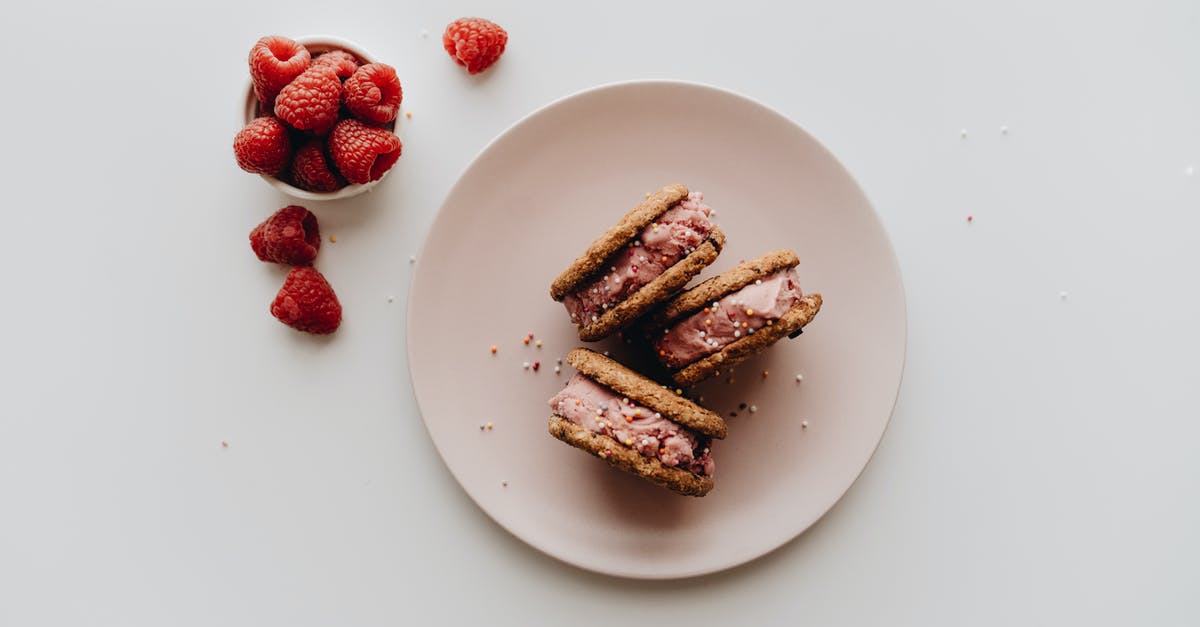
[[439, 216]]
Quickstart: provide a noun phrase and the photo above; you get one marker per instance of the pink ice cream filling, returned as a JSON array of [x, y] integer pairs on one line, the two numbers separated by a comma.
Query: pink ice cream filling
[[599, 409], [673, 236], [737, 315]]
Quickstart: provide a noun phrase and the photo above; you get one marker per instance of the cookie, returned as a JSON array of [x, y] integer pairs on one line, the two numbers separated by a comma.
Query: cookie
[[591, 288], [646, 392], [620, 456], [678, 317], [639, 426]]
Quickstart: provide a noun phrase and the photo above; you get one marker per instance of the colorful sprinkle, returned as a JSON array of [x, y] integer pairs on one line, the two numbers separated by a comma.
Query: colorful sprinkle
[[495, 348], [408, 114], [536, 365], [489, 426], [333, 238], [766, 374], [970, 219], [224, 444]]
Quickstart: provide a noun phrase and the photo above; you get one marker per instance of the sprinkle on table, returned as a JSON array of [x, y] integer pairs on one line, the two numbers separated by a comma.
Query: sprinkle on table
[[1063, 295], [495, 348], [803, 424], [557, 369], [754, 409], [741, 406], [333, 238], [504, 484], [766, 374], [799, 378], [538, 343], [525, 365], [224, 444], [536, 365], [408, 114], [489, 426], [970, 219], [412, 258]]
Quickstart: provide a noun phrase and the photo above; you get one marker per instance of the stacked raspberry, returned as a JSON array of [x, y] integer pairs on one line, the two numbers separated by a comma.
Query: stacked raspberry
[[324, 122], [306, 302]]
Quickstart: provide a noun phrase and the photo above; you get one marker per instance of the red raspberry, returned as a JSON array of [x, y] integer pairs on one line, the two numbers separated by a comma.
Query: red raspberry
[[310, 102], [307, 303], [362, 153], [373, 93], [291, 236], [311, 170], [275, 62], [474, 42], [263, 146], [341, 61]]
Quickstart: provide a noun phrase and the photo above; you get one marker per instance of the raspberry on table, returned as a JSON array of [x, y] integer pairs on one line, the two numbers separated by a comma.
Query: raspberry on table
[[312, 171], [307, 303], [363, 153], [310, 102], [342, 62], [291, 236], [373, 94], [474, 42], [263, 146], [274, 62]]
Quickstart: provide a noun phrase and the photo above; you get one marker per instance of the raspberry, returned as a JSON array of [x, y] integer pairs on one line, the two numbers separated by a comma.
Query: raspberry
[[263, 146], [311, 170], [290, 236], [373, 93], [474, 42], [307, 303], [362, 153], [275, 62], [310, 102], [342, 62]]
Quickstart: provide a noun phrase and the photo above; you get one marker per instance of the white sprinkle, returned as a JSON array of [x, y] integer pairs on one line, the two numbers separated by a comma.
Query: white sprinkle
[[753, 408], [604, 306], [412, 258], [749, 331], [702, 334], [700, 399], [803, 424], [557, 369], [504, 484], [595, 317], [657, 415], [391, 299], [599, 412], [963, 133], [1190, 170], [737, 334], [1004, 129], [424, 34], [606, 353], [1062, 295], [758, 281], [613, 269], [714, 304], [799, 378], [525, 365]]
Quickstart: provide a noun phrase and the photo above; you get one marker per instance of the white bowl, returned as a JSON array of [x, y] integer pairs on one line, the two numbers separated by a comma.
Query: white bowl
[[316, 45]]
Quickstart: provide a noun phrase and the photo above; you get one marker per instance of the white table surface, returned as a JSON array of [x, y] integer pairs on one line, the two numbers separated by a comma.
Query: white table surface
[[1041, 467]]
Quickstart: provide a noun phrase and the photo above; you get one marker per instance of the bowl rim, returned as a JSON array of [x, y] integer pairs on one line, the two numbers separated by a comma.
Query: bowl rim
[[323, 43]]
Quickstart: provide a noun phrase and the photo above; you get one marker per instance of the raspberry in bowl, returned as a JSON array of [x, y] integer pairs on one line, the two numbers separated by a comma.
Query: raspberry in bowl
[[320, 117]]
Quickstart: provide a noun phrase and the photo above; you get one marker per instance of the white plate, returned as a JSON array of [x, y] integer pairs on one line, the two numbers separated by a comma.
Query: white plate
[[531, 202]]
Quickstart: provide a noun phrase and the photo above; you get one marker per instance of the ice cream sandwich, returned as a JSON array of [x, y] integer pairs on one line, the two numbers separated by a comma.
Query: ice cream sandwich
[[646, 258], [730, 317], [635, 424]]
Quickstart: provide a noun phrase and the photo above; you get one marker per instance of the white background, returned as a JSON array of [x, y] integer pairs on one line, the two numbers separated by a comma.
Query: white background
[[1041, 466]]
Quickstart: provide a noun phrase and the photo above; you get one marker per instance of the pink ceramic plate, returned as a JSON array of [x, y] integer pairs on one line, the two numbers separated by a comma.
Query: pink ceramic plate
[[531, 202]]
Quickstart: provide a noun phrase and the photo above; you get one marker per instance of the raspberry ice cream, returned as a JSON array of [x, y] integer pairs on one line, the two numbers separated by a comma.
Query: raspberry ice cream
[[736, 315], [598, 409], [674, 235]]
